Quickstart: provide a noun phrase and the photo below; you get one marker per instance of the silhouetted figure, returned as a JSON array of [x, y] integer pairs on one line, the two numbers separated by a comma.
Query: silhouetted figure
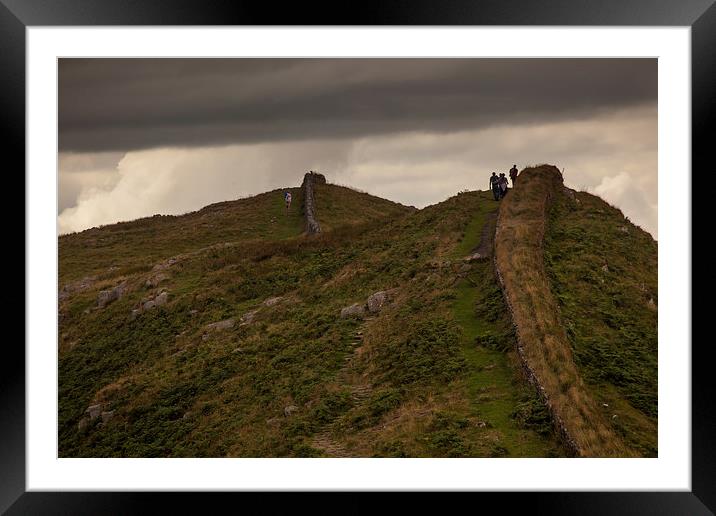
[[495, 186], [502, 181], [513, 174]]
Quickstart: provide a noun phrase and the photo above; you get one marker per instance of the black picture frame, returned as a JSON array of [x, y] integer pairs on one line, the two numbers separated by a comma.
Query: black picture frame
[[17, 15]]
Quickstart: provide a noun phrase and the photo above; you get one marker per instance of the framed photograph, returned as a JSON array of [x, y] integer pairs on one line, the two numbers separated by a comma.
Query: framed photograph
[[272, 252]]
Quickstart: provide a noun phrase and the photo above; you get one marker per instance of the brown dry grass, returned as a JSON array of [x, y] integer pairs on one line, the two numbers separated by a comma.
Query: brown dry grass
[[544, 347]]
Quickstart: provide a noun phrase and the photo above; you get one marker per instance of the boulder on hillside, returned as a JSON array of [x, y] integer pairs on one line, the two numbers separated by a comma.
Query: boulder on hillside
[[378, 300], [474, 257], [165, 264], [77, 286], [155, 279], [158, 300], [105, 297], [94, 411], [161, 299], [354, 310], [220, 325], [287, 411], [273, 300], [248, 317]]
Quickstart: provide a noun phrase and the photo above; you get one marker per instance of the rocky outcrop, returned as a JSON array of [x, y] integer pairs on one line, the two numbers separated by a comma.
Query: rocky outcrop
[[354, 310], [376, 301], [309, 203], [373, 305], [105, 297], [159, 300], [75, 287], [220, 325]]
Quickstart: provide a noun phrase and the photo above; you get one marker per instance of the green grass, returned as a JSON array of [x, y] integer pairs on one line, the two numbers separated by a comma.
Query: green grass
[[499, 395], [136, 245], [604, 279], [437, 359]]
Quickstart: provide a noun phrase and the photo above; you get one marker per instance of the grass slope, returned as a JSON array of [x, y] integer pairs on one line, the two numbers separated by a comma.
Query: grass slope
[[604, 275], [432, 374], [131, 247], [544, 345]]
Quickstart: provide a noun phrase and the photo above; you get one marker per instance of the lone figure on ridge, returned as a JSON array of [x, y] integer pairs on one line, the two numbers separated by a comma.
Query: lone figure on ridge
[[495, 186], [513, 174], [287, 198]]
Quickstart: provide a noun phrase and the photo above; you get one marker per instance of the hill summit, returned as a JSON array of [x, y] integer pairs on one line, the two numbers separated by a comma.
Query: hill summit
[[350, 325]]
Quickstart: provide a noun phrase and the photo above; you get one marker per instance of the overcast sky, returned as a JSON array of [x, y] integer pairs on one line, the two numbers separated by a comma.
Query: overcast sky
[[145, 136]]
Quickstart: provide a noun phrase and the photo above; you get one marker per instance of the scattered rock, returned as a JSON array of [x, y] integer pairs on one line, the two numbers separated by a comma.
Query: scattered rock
[[248, 317], [473, 257], [161, 299], [614, 416], [287, 411], [273, 420], [353, 310], [165, 264], [154, 280], [193, 312], [624, 229], [605, 267], [105, 297], [605, 404], [273, 300], [83, 423], [77, 286], [651, 304], [94, 411], [135, 313], [376, 301], [220, 325], [107, 415]]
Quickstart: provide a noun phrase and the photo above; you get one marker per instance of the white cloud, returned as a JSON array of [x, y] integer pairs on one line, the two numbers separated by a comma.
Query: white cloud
[[613, 155]]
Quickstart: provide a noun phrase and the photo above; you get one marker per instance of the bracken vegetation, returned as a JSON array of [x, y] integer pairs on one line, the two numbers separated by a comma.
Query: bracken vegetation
[[248, 354], [604, 274]]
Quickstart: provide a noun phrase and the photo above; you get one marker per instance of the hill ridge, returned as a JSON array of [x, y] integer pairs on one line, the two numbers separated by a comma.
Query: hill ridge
[[542, 342], [249, 341]]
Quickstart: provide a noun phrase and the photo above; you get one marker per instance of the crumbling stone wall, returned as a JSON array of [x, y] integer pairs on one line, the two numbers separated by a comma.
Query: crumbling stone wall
[[309, 202]]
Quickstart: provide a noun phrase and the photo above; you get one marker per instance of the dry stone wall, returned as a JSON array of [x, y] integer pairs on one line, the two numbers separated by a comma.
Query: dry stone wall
[[309, 202]]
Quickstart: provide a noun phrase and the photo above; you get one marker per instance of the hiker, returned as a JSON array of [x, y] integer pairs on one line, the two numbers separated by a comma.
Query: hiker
[[502, 181], [495, 186], [287, 198], [513, 174]]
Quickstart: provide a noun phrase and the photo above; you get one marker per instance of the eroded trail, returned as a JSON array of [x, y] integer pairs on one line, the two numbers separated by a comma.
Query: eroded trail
[[360, 391]]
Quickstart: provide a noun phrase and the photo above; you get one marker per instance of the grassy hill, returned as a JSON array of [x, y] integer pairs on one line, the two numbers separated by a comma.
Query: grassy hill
[[130, 247], [374, 338], [603, 270]]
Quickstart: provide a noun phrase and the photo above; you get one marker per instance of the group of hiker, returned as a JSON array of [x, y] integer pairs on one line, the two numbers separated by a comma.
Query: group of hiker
[[498, 184]]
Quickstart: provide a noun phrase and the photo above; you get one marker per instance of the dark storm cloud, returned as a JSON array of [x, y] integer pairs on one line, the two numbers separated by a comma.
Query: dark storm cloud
[[126, 104]]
